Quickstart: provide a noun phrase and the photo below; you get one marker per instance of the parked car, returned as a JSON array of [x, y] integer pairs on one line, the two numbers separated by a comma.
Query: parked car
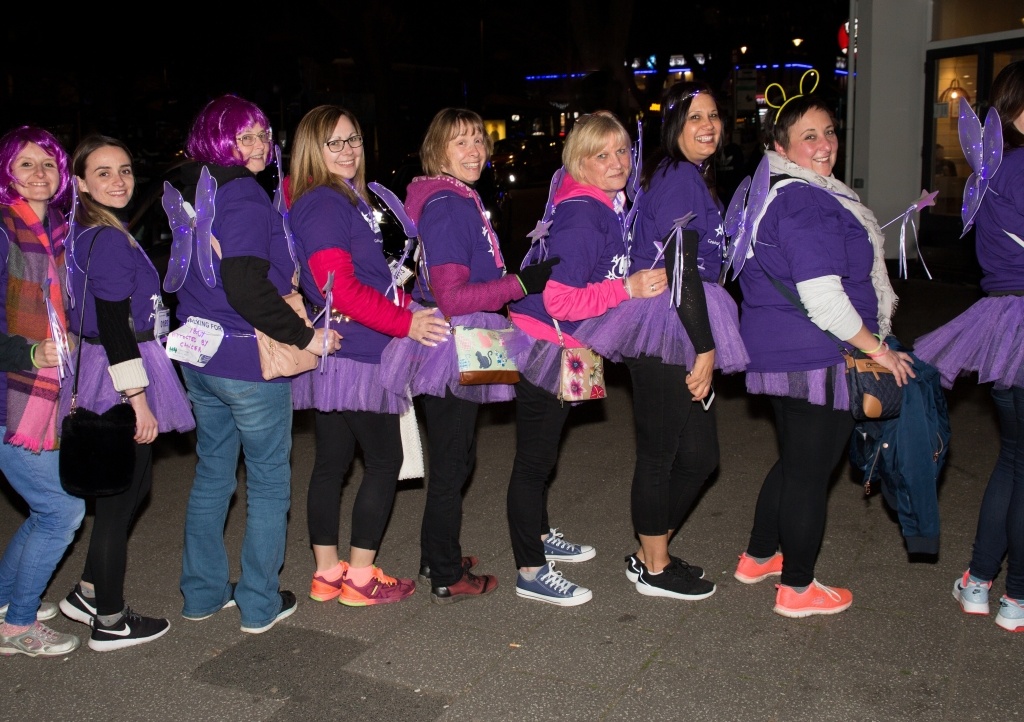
[[528, 161]]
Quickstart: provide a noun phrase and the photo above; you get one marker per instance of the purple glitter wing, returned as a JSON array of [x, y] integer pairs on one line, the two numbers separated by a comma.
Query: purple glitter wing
[[180, 218], [69, 242], [328, 291], [983, 148], [279, 203], [205, 192], [757, 196], [633, 185], [734, 216], [396, 207]]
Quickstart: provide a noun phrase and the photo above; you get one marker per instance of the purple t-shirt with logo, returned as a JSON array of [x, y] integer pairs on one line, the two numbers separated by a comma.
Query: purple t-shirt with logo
[[322, 219], [1001, 255], [453, 231], [586, 235], [246, 224], [671, 195], [805, 233], [117, 270]]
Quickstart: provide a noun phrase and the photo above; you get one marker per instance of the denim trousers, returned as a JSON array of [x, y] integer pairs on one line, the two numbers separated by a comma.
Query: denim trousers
[[540, 421], [793, 501], [254, 417], [38, 545], [1001, 519], [451, 452], [676, 446]]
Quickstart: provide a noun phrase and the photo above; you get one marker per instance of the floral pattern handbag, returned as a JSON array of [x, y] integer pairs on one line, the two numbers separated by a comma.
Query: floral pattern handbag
[[581, 374]]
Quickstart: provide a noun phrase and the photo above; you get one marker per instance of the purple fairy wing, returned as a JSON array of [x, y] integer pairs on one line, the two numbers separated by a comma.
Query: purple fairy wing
[[69, 242], [328, 291], [757, 196], [538, 236], [58, 334], [396, 207], [633, 185], [556, 181], [279, 202], [180, 216], [734, 215], [205, 192], [983, 148]]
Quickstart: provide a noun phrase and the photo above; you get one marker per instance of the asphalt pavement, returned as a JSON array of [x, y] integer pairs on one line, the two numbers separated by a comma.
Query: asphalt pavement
[[903, 651]]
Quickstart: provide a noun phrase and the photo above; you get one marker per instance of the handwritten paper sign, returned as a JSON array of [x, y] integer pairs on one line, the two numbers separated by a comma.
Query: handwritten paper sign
[[195, 342]]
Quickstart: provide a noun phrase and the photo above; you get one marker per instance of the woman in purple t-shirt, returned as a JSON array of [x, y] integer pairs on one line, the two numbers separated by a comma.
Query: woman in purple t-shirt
[[988, 338], [116, 307], [587, 235], [815, 241], [462, 274], [236, 410]]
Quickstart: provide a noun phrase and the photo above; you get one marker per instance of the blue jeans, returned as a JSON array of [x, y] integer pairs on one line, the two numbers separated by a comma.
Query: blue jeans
[[40, 542], [1001, 519], [254, 417]]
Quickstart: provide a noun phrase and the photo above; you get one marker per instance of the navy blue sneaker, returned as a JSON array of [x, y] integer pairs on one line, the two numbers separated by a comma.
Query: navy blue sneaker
[[551, 587]]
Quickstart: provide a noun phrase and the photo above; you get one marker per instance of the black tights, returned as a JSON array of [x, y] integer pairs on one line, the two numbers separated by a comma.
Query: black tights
[[107, 559], [791, 507]]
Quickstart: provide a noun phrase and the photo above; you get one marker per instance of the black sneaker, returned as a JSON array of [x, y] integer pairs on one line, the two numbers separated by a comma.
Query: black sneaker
[[675, 581], [129, 630], [288, 607], [77, 606], [633, 565], [467, 564]]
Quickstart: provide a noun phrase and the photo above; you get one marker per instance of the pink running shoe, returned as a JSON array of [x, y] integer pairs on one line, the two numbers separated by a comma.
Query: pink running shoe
[[381, 589], [749, 571]]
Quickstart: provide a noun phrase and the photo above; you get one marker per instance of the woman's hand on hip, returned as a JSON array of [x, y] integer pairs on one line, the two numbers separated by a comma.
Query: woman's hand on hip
[[429, 327]]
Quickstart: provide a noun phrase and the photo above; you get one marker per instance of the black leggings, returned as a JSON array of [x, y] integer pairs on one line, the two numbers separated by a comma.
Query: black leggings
[[107, 559], [380, 438], [676, 446], [540, 420], [791, 507]]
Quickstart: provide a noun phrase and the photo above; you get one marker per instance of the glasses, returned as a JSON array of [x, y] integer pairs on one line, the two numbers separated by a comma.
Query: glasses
[[249, 139], [336, 146]]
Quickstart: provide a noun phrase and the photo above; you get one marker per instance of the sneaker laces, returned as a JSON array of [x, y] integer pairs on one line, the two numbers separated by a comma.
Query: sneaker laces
[[555, 580], [555, 539], [383, 578], [832, 593], [50, 636]]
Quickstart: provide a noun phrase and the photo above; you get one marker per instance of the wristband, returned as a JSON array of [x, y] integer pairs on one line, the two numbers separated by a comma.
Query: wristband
[[881, 351], [625, 283], [522, 285], [32, 355], [875, 350], [137, 393]]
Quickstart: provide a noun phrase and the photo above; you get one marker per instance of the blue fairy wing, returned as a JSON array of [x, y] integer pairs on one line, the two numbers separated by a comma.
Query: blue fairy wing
[[181, 218], [205, 192], [757, 196], [396, 206]]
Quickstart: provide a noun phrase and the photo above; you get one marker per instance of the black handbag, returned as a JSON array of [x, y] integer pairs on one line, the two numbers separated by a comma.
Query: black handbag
[[874, 394], [97, 451]]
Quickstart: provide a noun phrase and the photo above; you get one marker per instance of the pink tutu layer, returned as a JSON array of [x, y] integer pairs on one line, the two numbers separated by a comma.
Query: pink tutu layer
[[807, 385], [408, 366], [346, 385], [651, 327], [987, 338], [165, 394]]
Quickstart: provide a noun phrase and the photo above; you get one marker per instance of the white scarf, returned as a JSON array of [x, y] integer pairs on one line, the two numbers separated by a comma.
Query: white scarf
[[887, 299]]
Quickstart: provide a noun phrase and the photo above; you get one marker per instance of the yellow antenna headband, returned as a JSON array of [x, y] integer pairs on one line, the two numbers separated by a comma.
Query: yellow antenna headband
[[785, 100]]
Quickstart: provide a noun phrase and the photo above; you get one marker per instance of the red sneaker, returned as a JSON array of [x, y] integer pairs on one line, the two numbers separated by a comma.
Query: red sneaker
[[817, 599], [322, 590], [381, 589], [471, 585], [749, 571]]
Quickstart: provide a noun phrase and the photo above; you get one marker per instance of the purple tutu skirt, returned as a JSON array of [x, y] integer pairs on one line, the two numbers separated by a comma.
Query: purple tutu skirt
[[346, 385], [409, 367], [807, 385], [165, 394], [987, 338], [541, 364], [651, 327]]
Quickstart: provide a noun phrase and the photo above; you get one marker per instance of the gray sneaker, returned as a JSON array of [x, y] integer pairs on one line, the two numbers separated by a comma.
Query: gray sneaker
[[39, 641], [47, 610], [973, 596]]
